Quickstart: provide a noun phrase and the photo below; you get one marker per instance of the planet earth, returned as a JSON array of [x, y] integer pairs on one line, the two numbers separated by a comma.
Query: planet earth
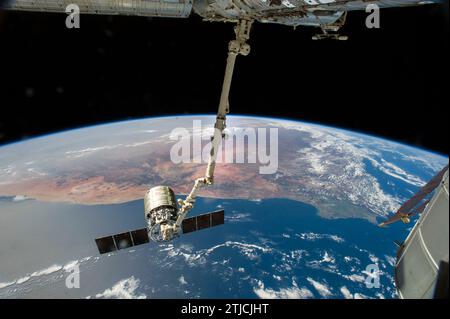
[[305, 229]]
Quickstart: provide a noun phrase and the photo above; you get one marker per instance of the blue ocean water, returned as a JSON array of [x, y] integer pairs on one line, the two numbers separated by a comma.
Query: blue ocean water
[[281, 225], [266, 248]]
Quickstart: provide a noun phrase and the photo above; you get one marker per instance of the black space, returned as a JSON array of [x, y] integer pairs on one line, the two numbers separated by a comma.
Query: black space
[[391, 82]]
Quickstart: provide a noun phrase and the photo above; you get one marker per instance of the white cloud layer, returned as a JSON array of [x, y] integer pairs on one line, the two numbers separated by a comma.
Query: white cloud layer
[[182, 281], [124, 289], [321, 288], [346, 293], [293, 292]]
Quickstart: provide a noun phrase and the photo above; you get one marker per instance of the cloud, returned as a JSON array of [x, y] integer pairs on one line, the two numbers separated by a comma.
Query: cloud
[[339, 159], [124, 289], [182, 280], [293, 292], [348, 259], [90, 150], [42, 272], [355, 278], [373, 258], [70, 265], [19, 198], [380, 295], [396, 172], [327, 258], [248, 250], [321, 288], [6, 284], [347, 294], [36, 172], [239, 217], [47, 271], [314, 236], [23, 279], [391, 260]]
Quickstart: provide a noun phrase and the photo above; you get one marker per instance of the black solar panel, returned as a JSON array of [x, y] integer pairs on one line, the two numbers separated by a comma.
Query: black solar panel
[[203, 221], [189, 225], [140, 236], [122, 241], [105, 244], [217, 218]]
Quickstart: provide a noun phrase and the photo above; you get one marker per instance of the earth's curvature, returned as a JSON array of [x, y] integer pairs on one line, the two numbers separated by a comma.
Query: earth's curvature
[[307, 231]]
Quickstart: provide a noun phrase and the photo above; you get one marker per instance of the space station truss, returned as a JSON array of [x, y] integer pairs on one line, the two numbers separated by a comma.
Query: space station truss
[[149, 8]]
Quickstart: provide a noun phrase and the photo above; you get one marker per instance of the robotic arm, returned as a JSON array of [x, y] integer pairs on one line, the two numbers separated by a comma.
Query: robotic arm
[[164, 214], [236, 47]]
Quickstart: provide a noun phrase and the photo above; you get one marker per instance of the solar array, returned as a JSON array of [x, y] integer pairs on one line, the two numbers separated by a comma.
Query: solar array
[[203, 221], [122, 241], [137, 237]]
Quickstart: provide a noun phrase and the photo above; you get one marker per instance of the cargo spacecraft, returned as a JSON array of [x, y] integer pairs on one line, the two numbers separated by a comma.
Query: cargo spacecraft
[[164, 219]]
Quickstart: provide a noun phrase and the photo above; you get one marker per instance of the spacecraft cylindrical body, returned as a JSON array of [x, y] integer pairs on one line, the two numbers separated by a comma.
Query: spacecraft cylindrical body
[[149, 8], [424, 254], [159, 197]]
